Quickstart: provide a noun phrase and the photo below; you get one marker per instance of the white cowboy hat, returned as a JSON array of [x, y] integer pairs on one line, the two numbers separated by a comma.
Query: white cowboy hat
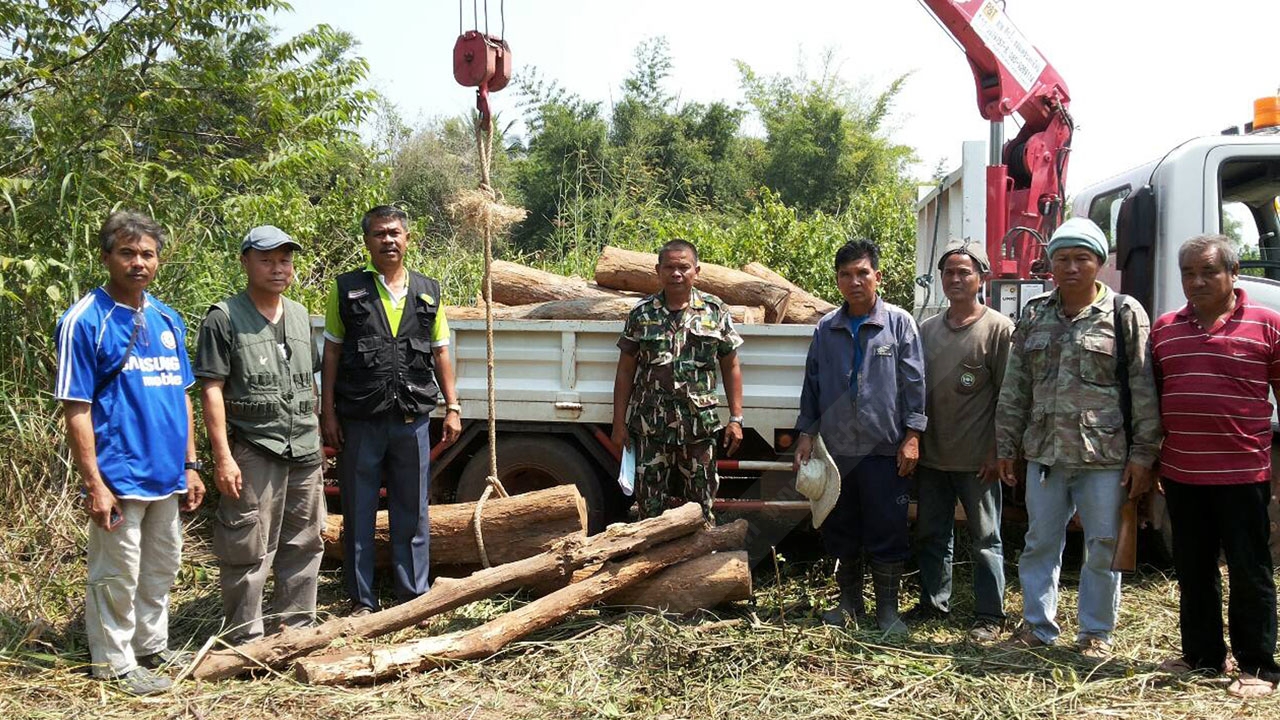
[[819, 480]]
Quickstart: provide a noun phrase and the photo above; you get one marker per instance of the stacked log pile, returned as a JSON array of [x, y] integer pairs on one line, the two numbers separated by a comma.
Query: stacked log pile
[[755, 294], [672, 562]]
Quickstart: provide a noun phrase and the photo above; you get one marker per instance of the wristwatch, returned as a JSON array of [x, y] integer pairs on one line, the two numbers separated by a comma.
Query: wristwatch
[[454, 407], [196, 465], [737, 419]]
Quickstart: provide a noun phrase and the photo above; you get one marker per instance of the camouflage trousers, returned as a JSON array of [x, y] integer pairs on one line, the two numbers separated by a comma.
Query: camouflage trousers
[[686, 473]]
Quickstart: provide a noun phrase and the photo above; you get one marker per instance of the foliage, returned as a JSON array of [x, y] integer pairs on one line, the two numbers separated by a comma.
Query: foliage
[[825, 141]]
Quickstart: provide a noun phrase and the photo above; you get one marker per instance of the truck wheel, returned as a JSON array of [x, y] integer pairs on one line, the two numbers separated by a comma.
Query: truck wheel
[[537, 462]]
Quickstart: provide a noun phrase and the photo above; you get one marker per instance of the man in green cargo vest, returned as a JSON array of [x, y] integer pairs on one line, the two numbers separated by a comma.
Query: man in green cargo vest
[[257, 363]]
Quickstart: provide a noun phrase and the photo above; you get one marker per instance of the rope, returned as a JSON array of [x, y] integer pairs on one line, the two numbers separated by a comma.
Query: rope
[[482, 211]]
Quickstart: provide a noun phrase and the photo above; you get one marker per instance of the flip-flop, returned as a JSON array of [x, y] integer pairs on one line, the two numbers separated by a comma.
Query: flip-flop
[[1250, 686]]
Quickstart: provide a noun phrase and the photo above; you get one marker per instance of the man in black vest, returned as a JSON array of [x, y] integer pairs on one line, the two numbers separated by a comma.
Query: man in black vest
[[258, 363], [386, 359]]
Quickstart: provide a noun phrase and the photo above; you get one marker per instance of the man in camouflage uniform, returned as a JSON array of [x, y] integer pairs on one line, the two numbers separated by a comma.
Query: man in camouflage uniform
[[1060, 410], [664, 395]]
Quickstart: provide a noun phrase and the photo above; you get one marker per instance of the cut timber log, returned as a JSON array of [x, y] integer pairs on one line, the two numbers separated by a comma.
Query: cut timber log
[[586, 308], [700, 583], [515, 284], [448, 593], [514, 528], [628, 270], [804, 308], [485, 640]]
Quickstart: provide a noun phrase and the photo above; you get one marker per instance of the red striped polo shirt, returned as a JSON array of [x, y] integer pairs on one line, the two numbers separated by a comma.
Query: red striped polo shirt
[[1213, 394]]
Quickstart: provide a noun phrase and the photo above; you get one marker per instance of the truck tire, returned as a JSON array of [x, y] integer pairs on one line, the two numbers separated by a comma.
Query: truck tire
[[537, 462]]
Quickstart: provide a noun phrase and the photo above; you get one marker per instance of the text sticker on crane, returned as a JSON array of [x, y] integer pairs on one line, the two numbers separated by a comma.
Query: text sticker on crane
[[1008, 44]]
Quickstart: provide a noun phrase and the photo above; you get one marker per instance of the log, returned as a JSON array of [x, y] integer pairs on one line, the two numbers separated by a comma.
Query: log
[[485, 640], [628, 270], [514, 528], [587, 308], [515, 284], [449, 593], [700, 583], [803, 308]]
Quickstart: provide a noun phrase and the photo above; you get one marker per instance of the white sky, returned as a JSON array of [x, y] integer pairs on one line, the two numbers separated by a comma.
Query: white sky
[[1143, 75]]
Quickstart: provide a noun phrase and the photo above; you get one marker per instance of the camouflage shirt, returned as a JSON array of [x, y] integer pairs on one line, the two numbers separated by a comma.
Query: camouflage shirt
[[673, 399], [1060, 402]]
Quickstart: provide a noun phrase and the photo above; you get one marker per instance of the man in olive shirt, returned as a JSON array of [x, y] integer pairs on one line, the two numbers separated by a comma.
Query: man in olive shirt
[[965, 351], [257, 362]]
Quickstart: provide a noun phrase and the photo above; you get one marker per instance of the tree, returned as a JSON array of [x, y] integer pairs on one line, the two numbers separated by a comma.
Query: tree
[[189, 111], [825, 142]]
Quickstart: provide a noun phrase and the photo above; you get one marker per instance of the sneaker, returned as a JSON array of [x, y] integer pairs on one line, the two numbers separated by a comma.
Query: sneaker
[[141, 681], [985, 631], [357, 610], [1024, 639], [1095, 648], [157, 660], [924, 612]]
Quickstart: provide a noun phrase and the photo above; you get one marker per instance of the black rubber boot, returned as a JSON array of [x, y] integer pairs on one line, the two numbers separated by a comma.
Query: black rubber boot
[[886, 579], [849, 577]]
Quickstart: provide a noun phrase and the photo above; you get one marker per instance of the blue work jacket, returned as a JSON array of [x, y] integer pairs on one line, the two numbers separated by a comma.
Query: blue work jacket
[[889, 396]]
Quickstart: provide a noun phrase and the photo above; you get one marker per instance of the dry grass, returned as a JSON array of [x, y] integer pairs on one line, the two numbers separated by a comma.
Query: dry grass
[[767, 659]]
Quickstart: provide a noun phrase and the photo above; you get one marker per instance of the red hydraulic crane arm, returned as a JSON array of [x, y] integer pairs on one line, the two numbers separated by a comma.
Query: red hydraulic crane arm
[[1026, 177]]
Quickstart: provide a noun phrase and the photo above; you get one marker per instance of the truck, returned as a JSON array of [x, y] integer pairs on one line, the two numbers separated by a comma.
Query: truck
[[554, 412], [1012, 195]]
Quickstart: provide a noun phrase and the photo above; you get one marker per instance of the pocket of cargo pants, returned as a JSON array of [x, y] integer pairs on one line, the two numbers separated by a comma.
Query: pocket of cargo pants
[[237, 538]]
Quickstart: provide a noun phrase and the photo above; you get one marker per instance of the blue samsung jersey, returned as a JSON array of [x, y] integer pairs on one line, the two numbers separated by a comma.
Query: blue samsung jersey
[[140, 416]]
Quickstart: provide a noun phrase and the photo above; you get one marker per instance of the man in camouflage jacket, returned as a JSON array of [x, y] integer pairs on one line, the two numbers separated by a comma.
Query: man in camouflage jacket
[[664, 394], [1060, 410]]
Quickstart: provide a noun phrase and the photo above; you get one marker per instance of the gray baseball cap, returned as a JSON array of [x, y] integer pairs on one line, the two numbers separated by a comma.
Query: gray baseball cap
[[972, 248], [268, 237]]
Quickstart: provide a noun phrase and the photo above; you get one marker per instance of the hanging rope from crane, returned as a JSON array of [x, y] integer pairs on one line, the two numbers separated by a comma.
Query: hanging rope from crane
[[483, 61]]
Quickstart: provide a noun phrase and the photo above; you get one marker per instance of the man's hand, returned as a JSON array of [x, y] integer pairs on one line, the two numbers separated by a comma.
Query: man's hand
[[908, 454], [99, 503], [804, 451], [194, 495], [621, 437], [1137, 478], [227, 477], [732, 437], [452, 428], [989, 472], [1007, 470], [331, 430]]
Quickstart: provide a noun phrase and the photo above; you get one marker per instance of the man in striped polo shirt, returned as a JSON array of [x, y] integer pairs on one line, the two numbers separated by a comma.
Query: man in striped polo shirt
[[1215, 360]]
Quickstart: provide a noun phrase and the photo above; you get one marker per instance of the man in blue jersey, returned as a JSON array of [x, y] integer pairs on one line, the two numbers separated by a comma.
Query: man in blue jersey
[[122, 378]]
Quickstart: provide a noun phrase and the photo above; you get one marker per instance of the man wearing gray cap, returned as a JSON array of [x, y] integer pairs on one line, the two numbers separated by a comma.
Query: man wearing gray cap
[[1060, 410], [965, 350], [258, 363]]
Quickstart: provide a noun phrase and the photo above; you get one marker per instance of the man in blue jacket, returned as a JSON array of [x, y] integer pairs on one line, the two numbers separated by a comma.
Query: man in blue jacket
[[864, 393]]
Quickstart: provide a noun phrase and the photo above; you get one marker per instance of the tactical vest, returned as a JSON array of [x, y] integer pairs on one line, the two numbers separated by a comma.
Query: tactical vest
[[270, 401], [379, 372]]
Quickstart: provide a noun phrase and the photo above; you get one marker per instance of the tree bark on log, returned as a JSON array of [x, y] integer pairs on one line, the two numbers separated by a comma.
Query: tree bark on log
[[515, 284], [700, 583], [586, 308], [448, 593], [804, 308], [514, 528], [628, 270], [485, 640]]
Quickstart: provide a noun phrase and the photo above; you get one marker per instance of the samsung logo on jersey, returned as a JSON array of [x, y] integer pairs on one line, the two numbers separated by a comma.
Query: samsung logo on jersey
[[153, 364], [161, 380]]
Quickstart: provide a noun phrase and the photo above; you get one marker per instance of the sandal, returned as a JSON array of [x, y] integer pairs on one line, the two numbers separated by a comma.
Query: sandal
[[1250, 686]]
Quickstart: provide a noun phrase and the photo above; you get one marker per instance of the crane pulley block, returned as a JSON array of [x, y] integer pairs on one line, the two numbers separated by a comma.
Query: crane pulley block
[[481, 60]]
